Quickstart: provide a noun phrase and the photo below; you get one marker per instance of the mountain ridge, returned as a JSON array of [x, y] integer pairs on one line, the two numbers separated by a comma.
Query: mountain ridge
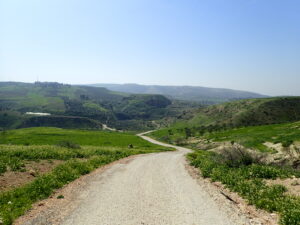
[[206, 95]]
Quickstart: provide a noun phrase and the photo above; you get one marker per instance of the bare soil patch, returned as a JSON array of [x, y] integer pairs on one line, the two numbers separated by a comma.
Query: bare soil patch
[[12, 179]]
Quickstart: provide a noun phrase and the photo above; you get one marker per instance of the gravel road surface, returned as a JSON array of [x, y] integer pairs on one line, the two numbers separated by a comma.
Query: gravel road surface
[[153, 189], [150, 189]]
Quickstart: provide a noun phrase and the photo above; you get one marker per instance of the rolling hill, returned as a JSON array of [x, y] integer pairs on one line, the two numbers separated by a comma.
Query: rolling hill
[[76, 106], [236, 114], [203, 95], [248, 112]]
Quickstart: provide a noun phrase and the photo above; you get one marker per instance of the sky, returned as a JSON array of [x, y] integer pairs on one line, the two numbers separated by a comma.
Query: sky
[[251, 45]]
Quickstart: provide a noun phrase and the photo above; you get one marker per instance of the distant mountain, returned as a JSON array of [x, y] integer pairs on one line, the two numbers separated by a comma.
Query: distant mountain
[[190, 93]]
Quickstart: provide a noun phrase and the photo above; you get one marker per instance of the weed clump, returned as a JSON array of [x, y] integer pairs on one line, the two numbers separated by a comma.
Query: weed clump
[[68, 144], [60, 197], [3, 167], [287, 143]]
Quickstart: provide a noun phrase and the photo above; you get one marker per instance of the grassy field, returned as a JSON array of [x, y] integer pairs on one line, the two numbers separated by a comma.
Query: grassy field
[[52, 136], [78, 151]]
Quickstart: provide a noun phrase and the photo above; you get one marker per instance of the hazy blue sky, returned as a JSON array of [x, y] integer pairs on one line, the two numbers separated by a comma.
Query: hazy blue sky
[[241, 44]]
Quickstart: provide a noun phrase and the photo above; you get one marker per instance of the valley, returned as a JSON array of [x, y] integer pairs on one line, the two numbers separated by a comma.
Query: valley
[[75, 106]]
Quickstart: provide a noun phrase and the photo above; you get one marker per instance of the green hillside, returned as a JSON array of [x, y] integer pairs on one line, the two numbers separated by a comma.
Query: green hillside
[[252, 147], [245, 113], [69, 105]]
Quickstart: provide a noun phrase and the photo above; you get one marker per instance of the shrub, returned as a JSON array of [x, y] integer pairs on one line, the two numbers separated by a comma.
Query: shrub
[[287, 143], [179, 141], [237, 157]]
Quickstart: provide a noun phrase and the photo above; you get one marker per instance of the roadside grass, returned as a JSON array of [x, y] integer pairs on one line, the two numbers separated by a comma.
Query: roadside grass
[[13, 157], [247, 179], [81, 151]]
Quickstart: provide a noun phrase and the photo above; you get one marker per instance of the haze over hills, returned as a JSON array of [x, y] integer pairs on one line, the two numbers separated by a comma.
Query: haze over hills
[[188, 93]]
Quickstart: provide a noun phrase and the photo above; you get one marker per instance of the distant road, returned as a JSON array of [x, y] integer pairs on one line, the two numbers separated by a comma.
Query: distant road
[[151, 189]]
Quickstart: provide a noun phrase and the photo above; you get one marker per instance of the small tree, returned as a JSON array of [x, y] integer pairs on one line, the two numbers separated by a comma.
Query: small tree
[[188, 132]]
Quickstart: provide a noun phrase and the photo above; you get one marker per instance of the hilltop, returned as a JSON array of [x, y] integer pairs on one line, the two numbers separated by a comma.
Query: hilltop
[[203, 95]]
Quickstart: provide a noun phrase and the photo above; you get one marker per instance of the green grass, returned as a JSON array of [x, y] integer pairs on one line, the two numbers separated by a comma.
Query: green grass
[[254, 137], [52, 136], [82, 151], [249, 182]]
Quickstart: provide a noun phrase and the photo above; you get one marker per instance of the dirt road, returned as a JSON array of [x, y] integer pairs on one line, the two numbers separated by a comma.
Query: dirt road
[[152, 189]]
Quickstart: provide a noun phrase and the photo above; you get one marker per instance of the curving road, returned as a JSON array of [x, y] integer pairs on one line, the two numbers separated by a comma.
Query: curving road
[[153, 189], [150, 189]]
